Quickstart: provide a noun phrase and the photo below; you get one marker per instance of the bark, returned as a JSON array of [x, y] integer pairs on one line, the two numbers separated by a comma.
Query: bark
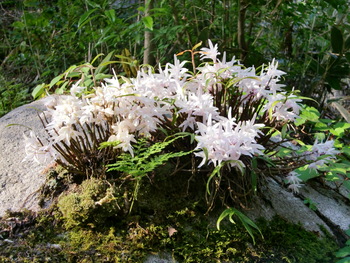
[[148, 55], [242, 44]]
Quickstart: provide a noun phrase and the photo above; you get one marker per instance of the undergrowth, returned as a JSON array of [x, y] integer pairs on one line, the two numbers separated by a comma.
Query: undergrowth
[[12, 95], [184, 235]]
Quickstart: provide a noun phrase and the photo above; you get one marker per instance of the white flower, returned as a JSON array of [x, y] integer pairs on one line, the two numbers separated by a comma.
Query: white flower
[[125, 139], [76, 90], [177, 71], [67, 133], [326, 148], [196, 105], [284, 107], [321, 154], [36, 151], [294, 181], [224, 140], [211, 52], [294, 188]]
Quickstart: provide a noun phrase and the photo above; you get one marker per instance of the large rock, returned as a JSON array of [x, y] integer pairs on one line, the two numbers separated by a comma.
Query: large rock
[[330, 208], [19, 181]]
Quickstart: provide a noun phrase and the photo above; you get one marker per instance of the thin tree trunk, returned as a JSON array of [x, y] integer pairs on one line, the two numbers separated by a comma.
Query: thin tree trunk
[[148, 55], [242, 44]]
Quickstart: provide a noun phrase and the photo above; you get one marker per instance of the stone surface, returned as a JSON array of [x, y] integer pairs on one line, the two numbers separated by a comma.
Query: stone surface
[[19, 180], [279, 201], [330, 204], [161, 258], [332, 213]]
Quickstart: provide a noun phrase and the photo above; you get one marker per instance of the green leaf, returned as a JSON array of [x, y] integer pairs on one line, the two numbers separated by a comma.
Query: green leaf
[[74, 75], [246, 221], [148, 22], [225, 213], [337, 40], [93, 4], [283, 152], [103, 76], [111, 15], [146, 157], [254, 181], [344, 260], [104, 63], [95, 58], [55, 80], [62, 89], [306, 173], [321, 126], [31, 3], [343, 252], [141, 9], [215, 172], [346, 150], [284, 131], [88, 83], [39, 90], [331, 177], [340, 128], [84, 18], [108, 144], [70, 69], [308, 114], [18, 24], [311, 114]]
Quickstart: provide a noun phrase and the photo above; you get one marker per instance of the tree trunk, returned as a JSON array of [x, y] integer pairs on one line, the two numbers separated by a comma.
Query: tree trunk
[[242, 44], [148, 56]]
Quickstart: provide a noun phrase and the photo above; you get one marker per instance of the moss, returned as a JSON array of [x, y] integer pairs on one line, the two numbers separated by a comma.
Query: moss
[[297, 244], [193, 238], [90, 204], [90, 224]]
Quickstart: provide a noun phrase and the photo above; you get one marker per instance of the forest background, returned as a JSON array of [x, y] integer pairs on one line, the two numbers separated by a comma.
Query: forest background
[[39, 40]]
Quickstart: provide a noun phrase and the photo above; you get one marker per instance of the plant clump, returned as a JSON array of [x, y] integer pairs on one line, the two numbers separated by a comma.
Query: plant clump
[[223, 125], [231, 112]]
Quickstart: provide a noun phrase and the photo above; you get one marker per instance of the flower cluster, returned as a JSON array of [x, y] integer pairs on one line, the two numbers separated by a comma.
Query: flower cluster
[[206, 104], [321, 154], [294, 181]]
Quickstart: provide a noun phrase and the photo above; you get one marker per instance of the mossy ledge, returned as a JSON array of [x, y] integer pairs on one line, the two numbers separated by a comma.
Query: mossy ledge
[[91, 223]]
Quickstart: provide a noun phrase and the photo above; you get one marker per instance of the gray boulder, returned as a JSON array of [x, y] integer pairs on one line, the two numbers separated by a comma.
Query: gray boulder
[[19, 181], [330, 208]]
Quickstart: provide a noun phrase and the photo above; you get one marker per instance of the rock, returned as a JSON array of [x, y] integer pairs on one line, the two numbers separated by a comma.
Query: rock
[[19, 180], [278, 201], [166, 258], [332, 211]]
